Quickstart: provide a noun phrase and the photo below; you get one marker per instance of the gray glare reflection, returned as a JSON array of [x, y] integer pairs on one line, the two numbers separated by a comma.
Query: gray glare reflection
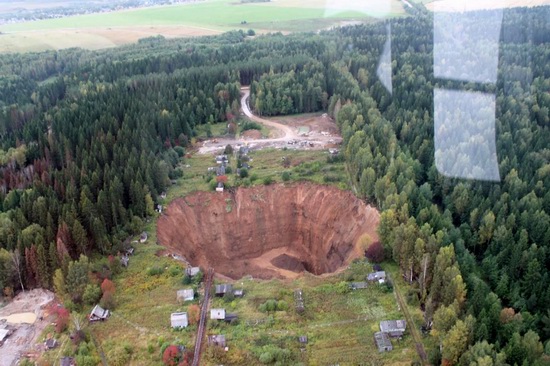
[[384, 71], [464, 135], [466, 45]]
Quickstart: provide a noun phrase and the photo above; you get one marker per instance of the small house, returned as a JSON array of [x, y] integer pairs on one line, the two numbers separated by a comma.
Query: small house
[[238, 293], [163, 195], [159, 209], [333, 151], [394, 328], [50, 343], [302, 339], [383, 342], [129, 251], [223, 289], [143, 237], [216, 340], [179, 320], [230, 317], [124, 260], [185, 294], [299, 300], [221, 170], [192, 271], [219, 188], [217, 314], [221, 159], [98, 313], [67, 361], [358, 285], [379, 277]]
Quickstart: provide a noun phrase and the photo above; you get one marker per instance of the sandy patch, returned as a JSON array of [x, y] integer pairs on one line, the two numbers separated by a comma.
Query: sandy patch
[[19, 318]]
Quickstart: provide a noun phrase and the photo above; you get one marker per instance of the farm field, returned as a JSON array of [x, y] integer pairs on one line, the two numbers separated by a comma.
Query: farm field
[[102, 30]]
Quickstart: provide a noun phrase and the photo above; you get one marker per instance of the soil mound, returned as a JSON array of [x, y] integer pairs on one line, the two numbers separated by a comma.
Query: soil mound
[[268, 231]]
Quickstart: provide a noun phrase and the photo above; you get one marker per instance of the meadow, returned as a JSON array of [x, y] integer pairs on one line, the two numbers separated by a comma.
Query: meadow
[[102, 30]]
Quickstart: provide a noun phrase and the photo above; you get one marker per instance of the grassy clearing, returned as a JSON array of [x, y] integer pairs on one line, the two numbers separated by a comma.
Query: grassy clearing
[[102, 30], [338, 322]]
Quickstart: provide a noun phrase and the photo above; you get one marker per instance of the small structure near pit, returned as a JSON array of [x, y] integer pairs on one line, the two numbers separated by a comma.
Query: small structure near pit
[[50, 343], [238, 293], [179, 320], [299, 300], [217, 314], [383, 342], [379, 277], [216, 340], [358, 285], [219, 188], [221, 159], [223, 289], [98, 314], [143, 237], [192, 271], [185, 294], [393, 328], [124, 260], [67, 361]]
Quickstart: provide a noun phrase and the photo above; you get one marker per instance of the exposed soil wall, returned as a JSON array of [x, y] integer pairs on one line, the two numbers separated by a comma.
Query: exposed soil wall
[[268, 231]]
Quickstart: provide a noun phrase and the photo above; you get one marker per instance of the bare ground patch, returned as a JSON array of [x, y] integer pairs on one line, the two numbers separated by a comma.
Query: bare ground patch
[[26, 318]]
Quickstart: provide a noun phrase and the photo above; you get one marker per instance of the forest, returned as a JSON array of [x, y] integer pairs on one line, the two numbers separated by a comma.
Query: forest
[[90, 139]]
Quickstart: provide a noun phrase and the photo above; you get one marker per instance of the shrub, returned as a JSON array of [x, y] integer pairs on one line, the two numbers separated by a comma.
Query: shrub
[[268, 180], [228, 149], [253, 177], [286, 176], [249, 125], [243, 173], [282, 305], [187, 280], [92, 293], [174, 270], [171, 356], [375, 252], [155, 271], [107, 301]]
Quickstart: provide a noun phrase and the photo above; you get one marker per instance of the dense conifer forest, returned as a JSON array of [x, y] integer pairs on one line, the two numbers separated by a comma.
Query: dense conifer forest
[[89, 140]]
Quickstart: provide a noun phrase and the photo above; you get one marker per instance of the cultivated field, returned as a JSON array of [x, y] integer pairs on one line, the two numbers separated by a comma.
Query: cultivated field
[[95, 31], [464, 5]]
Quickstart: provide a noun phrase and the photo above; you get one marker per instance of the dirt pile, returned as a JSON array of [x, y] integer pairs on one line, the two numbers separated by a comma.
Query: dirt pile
[[268, 231]]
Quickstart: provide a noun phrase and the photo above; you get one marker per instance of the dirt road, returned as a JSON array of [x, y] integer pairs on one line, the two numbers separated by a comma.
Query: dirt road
[[287, 136]]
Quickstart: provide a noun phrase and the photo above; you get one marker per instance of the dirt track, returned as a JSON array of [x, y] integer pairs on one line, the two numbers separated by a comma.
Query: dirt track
[[286, 134], [268, 231]]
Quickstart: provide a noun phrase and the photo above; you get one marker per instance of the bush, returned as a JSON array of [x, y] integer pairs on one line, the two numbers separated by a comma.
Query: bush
[[249, 125], [286, 176], [155, 271], [268, 180], [187, 280], [253, 177], [375, 252], [107, 301], [243, 173], [282, 305], [174, 271], [92, 294], [179, 150]]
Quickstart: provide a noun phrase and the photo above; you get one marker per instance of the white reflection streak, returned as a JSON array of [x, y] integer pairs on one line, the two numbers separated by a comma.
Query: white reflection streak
[[466, 48], [464, 135], [384, 71]]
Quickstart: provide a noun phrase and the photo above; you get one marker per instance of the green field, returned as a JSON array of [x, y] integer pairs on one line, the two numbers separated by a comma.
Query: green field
[[104, 30]]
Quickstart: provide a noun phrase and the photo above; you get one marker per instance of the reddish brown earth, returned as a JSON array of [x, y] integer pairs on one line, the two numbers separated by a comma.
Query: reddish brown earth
[[268, 231]]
